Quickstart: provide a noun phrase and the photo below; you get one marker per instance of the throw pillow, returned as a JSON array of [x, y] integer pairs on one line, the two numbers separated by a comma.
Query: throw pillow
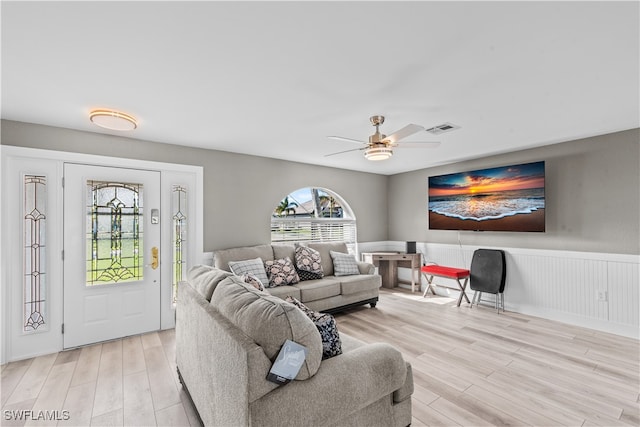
[[253, 281], [308, 263], [281, 272], [307, 275], [344, 264], [254, 266], [269, 321], [326, 324]]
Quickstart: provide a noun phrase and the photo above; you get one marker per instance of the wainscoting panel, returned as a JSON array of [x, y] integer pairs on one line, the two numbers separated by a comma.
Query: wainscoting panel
[[595, 290], [623, 278]]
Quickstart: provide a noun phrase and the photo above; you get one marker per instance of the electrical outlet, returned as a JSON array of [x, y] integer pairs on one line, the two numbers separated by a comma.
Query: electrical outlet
[[602, 295]]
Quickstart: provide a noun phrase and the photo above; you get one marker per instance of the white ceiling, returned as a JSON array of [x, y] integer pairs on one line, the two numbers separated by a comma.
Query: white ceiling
[[275, 79]]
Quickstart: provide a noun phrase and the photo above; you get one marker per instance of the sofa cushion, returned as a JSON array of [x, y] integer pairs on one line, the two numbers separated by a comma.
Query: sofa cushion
[[327, 327], [269, 321], [283, 250], [253, 266], [222, 257], [313, 290], [308, 263], [284, 291], [205, 278], [344, 264], [323, 248], [354, 284], [281, 272]]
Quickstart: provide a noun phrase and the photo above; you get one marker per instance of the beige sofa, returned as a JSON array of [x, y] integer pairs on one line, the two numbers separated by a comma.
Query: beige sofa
[[225, 348], [329, 294]]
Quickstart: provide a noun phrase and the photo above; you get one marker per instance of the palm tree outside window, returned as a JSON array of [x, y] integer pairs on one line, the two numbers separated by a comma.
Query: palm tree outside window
[[313, 214]]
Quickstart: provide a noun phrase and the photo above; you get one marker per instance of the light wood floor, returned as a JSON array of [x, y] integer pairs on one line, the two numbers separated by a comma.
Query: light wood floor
[[471, 367]]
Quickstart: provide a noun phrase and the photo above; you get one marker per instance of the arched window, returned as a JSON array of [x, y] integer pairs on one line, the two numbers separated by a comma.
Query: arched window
[[313, 215]]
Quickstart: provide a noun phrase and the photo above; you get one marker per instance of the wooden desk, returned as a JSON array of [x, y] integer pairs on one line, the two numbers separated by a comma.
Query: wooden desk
[[388, 263]]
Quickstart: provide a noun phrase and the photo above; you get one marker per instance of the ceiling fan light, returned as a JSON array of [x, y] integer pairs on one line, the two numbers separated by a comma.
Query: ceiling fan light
[[113, 120], [378, 153]]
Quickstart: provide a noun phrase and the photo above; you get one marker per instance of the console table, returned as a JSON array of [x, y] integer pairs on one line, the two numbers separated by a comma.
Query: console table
[[388, 263]]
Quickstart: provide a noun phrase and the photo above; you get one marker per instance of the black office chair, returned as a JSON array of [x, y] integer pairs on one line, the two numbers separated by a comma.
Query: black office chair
[[487, 274]]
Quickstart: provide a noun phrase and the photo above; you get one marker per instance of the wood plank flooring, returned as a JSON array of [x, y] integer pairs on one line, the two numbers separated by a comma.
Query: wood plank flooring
[[130, 381], [471, 367]]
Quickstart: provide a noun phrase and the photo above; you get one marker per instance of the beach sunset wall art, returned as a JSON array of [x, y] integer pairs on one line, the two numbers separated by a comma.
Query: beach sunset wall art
[[509, 198]]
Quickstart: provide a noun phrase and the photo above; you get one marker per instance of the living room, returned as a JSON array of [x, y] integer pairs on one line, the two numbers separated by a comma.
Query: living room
[[591, 242]]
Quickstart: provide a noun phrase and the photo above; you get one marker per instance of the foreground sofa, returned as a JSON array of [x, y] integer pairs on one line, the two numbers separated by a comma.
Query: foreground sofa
[[329, 294], [226, 344]]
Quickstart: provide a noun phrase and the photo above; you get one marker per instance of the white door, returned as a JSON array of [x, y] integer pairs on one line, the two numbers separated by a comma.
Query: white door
[[111, 253]]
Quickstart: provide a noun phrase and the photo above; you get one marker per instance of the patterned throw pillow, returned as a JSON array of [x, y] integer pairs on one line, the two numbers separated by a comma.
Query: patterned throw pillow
[[344, 264], [281, 272], [253, 281], [326, 324], [254, 266], [308, 263]]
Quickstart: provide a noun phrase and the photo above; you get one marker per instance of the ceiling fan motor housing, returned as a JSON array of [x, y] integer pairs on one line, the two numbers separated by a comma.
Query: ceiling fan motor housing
[[377, 137]]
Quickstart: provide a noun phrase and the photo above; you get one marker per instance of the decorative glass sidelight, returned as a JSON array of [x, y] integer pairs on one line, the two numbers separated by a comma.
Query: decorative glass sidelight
[[114, 232], [34, 263], [179, 238]]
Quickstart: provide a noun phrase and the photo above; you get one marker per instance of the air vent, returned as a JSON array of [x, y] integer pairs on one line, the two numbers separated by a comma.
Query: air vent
[[445, 127]]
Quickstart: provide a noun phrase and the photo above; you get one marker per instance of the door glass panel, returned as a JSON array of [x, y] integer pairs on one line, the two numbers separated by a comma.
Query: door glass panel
[[179, 219], [34, 267], [114, 232]]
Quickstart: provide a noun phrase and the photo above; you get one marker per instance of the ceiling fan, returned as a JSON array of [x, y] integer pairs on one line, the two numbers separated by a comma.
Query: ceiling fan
[[380, 146]]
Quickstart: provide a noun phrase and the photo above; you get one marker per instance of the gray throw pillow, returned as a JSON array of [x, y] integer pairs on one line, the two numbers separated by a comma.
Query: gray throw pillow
[[344, 264], [269, 321], [254, 266]]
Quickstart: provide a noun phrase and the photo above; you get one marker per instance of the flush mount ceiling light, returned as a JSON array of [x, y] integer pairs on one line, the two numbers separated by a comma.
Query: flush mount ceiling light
[[378, 153], [113, 120]]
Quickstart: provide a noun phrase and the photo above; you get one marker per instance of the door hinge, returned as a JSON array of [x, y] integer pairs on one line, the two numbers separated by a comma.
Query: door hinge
[[63, 254], [63, 328], [63, 182]]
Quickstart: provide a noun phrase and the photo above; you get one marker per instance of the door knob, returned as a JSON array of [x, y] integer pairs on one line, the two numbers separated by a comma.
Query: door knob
[[154, 257]]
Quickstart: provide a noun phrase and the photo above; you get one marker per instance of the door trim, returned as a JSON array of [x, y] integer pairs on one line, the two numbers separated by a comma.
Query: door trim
[[11, 265]]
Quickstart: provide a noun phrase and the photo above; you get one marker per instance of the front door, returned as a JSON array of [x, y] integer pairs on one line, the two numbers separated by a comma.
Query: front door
[[111, 253]]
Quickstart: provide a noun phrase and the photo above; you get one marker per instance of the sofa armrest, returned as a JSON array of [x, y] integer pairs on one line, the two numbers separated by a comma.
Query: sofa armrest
[[342, 386], [366, 268]]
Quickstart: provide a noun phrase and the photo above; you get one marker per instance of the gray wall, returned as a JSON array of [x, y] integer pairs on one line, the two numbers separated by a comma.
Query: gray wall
[[592, 188], [592, 198], [240, 191]]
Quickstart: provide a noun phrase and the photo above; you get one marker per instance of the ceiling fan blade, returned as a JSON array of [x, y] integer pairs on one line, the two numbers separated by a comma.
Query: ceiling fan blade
[[418, 144], [403, 133], [341, 138], [346, 151]]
